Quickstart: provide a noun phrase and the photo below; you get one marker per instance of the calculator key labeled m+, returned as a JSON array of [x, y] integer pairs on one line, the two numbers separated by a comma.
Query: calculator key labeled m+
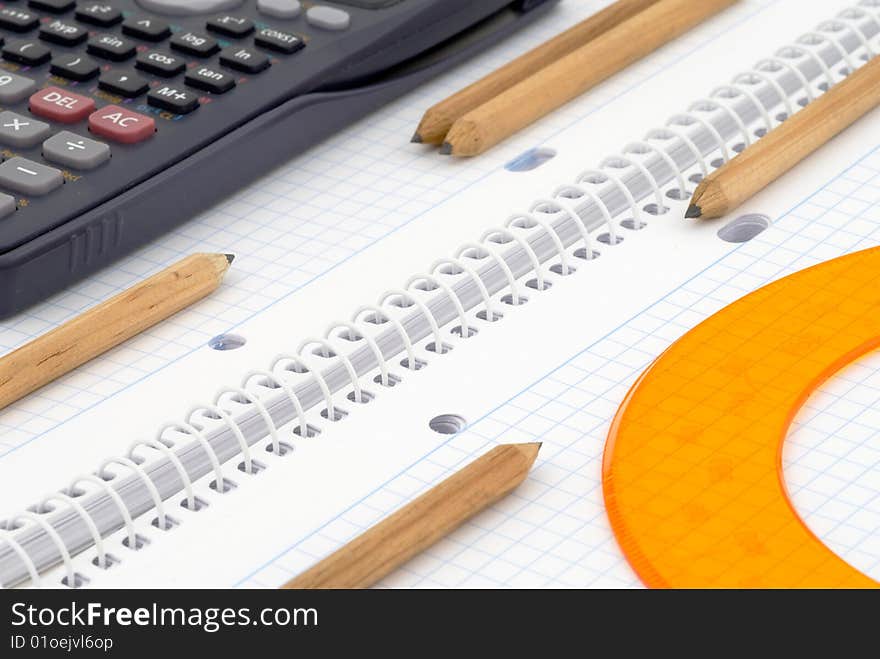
[[173, 98], [121, 125], [61, 105]]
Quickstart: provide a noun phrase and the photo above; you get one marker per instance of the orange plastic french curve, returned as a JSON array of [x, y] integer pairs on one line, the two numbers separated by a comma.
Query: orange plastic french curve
[[692, 471]]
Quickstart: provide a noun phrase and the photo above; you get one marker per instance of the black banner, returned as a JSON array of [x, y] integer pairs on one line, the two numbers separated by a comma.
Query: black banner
[[550, 623]]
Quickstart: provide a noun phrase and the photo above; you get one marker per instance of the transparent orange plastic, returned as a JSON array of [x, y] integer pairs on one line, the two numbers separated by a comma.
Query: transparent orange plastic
[[692, 471]]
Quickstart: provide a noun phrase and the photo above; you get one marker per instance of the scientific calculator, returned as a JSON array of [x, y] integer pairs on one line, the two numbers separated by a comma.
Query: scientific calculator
[[122, 119]]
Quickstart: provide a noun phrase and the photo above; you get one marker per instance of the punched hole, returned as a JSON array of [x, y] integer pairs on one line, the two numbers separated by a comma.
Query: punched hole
[[457, 331], [514, 302], [654, 209], [535, 284], [311, 431], [443, 349], [228, 486], [562, 272], [139, 542], [283, 449], [338, 414], [224, 342], [677, 194], [109, 561], [447, 424], [418, 365], [79, 580], [366, 397], [198, 504], [632, 225], [483, 315], [392, 380], [170, 523], [744, 228], [581, 253], [609, 239], [256, 467]]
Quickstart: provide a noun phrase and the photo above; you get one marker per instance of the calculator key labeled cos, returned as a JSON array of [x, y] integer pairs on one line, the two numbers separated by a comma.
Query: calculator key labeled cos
[[61, 105], [121, 125], [160, 63], [75, 151]]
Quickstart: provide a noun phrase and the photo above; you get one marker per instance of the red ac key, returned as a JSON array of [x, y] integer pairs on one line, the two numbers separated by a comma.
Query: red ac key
[[121, 125]]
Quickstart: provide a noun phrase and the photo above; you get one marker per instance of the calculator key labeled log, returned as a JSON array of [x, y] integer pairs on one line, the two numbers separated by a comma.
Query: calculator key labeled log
[[209, 79], [28, 177], [173, 98], [192, 43], [122, 82], [148, 29], [20, 132], [61, 105], [74, 66], [15, 88], [29, 53], [160, 63], [282, 42], [244, 59], [121, 125], [74, 151]]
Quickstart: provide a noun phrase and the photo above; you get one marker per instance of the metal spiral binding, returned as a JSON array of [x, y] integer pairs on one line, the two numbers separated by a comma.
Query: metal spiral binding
[[482, 277]]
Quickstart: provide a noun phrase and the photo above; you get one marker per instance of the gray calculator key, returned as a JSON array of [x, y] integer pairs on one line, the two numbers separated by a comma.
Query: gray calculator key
[[7, 205], [29, 177], [72, 150], [328, 18], [187, 7], [19, 131], [279, 8], [14, 88]]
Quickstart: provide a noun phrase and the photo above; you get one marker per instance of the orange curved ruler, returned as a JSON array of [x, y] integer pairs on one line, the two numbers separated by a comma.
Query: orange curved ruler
[[692, 471]]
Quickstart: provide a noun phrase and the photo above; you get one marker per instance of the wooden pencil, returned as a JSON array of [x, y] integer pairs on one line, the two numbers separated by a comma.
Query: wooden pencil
[[421, 523], [438, 119], [575, 73], [108, 324], [784, 147]]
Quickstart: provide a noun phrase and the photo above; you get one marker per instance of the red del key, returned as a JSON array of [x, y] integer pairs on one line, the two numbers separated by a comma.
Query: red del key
[[121, 125], [61, 105]]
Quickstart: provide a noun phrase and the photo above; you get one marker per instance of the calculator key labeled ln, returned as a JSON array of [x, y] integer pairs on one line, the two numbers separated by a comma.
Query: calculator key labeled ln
[[61, 105], [244, 59], [121, 125], [75, 151], [28, 177]]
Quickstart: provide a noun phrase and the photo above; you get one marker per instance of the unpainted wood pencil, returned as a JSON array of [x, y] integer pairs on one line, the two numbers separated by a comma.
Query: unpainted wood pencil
[[108, 324], [421, 523], [784, 147], [438, 119], [569, 77]]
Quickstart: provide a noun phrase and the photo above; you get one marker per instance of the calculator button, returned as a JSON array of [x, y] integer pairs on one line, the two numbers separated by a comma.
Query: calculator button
[[209, 79], [18, 20], [231, 26], [121, 125], [279, 8], [124, 83], [173, 99], [29, 53], [160, 63], [193, 43], [21, 132], [14, 88], [244, 59], [67, 34], [98, 13], [283, 42], [29, 177], [328, 18], [148, 29], [112, 47], [61, 105], [7, 205], [74, 66], [70, 150], [188, 7], [55, 6]]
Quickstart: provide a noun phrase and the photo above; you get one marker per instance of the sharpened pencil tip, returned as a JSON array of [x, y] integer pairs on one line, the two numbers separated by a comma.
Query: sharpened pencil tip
[[446, 149], [416, 138], [693, 212], [229, 258]]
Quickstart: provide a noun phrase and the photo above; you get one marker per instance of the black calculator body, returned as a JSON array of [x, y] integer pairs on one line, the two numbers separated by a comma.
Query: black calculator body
[[122, 119]]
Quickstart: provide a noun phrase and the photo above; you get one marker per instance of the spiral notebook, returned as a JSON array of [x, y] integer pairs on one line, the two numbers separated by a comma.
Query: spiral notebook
[[538, 296]]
